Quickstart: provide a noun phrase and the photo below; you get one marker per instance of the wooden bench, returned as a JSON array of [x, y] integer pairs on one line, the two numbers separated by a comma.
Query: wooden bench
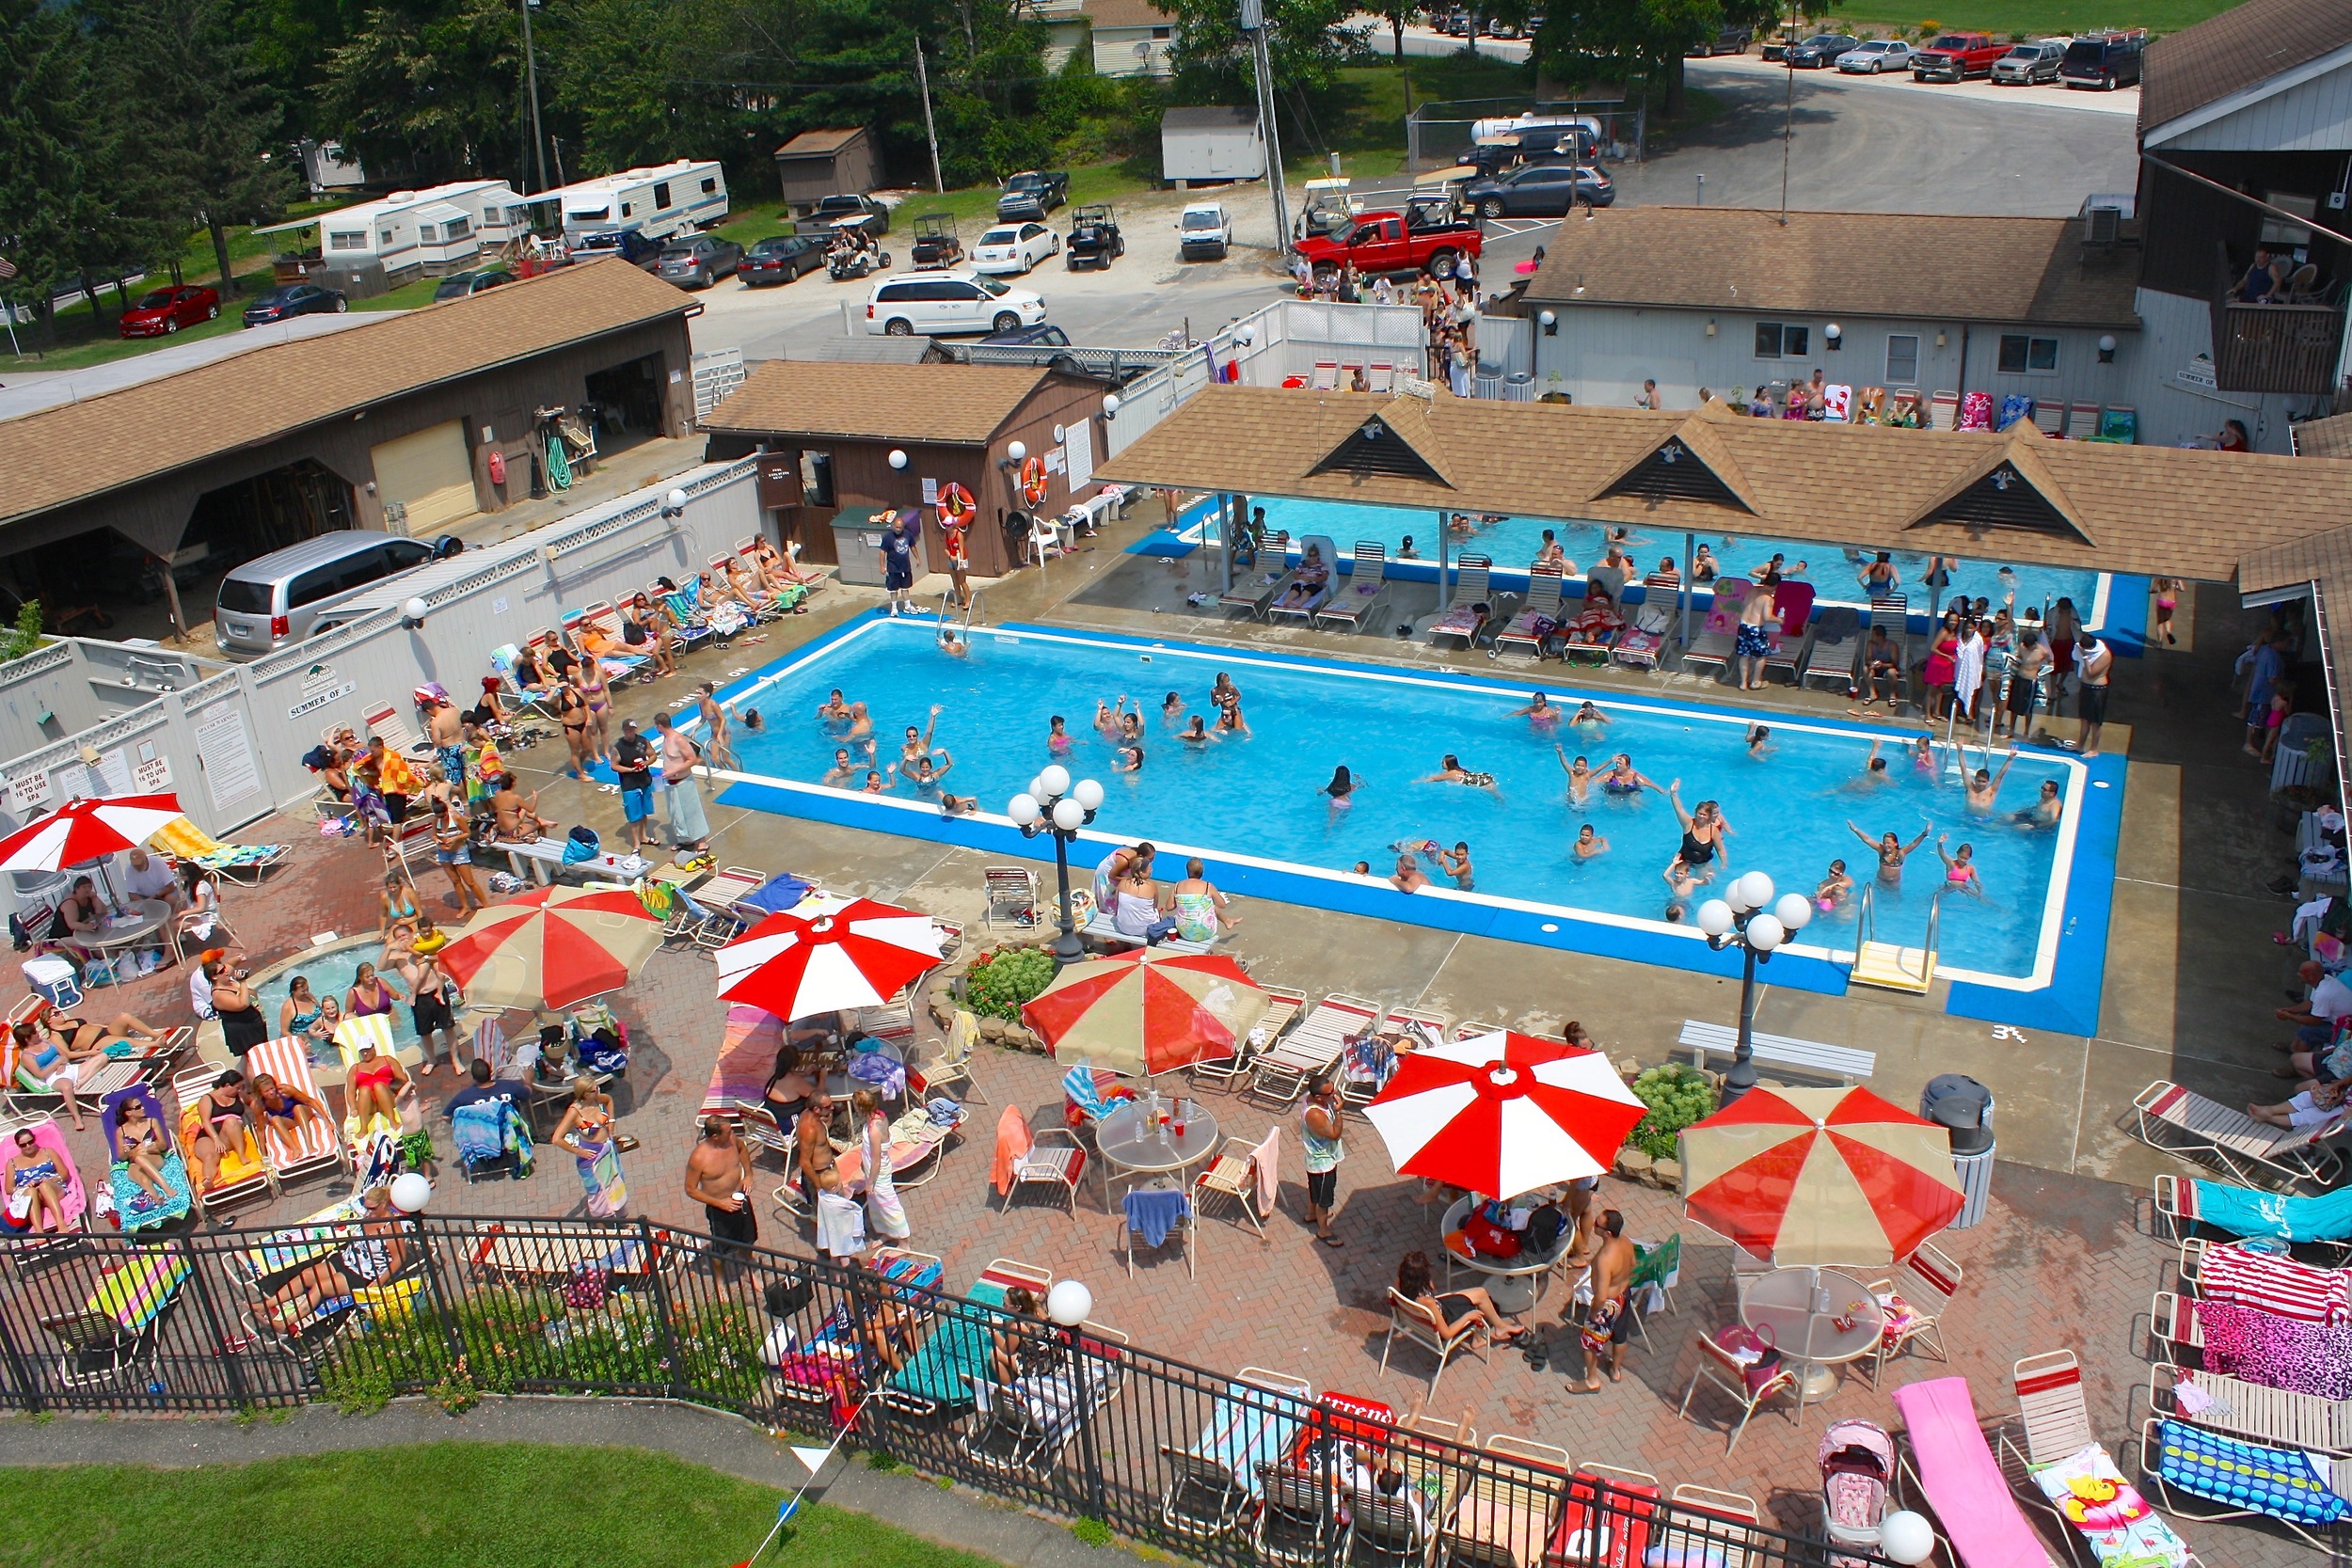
[[1843, 1062], [1100, 928]]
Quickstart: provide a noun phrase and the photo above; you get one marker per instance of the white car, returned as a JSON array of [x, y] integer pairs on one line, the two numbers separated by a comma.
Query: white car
[[1874, 56], [1204, 233], [931, 303], [1014, 247]]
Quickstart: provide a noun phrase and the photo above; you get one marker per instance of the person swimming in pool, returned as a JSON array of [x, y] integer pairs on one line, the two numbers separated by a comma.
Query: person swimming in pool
[[1456, 862], [1588, 842], [1702, 834], [1681, 885], [1960, 868], [952, 645], [1589, 721], [1759, 741], [1408, 876], [1109, 716], [1891, 850], [1923, 755], [1623, 778], [917, 743], [861, 732], [1580, 777], [1539, 713], [1342, 788], [1057, 742], [2044, 812], [1704, 566], [1984, 786], [842, 774], [1172, 709], [875, 783], [1129, 757], [1199, 733], [1873, 774], [1451, 771], [834, 713], [1834, 890]]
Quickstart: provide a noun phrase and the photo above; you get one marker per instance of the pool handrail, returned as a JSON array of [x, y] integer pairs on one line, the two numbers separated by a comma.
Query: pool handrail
[[1865, 925]]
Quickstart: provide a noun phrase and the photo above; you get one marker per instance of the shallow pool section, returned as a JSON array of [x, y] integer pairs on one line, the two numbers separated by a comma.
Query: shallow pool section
[[330, 970], [1794, 802]]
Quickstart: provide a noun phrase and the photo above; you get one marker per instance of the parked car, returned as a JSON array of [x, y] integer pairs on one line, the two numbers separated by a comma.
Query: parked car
[[1731, 40], [287, 594], [1205, 232], [2027, 63], [1820, 51], [457, 285], [160, 312], [830, 208], [1955, 57], [1431, 233], [2103, 61], [935, 240], [698, 263], [1033, 194], [1027, 336], [779, 259], [933, 303], [1014, 247], [1541, 190], [294, 299], [1094, 237], [627, 243], [1777, 49], [1872, 56]]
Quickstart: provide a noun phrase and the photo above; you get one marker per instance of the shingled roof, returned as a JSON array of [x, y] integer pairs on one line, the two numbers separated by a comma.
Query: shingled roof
[[2084, 504], [2243, 47], [945, 404], [1914, 266]]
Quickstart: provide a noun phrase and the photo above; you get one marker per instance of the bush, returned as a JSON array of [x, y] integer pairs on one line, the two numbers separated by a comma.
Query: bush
[[1002, 980], [1676, 1097]]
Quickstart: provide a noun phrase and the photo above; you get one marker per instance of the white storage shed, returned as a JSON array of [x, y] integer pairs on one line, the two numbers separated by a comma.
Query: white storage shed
[[1211, 145]]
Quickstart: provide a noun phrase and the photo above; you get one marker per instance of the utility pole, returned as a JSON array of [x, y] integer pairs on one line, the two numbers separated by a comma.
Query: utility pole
[[1253, 22], [930, 132], [531, 74]]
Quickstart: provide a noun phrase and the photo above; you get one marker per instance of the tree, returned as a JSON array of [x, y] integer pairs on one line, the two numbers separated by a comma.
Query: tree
[[1305, 45], [429, 90], [202, 128], [1396, 13], [57, 148], [1649, 36]]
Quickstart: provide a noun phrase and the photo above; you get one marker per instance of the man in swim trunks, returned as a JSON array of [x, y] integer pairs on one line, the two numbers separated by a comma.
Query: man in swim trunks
[[2045, 811], [1984, 786], [1579, 776], [1408, 877], [1891, 850], [843, 774]]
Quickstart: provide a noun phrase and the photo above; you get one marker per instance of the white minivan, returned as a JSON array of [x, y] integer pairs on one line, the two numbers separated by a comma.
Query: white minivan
[[933, 303]]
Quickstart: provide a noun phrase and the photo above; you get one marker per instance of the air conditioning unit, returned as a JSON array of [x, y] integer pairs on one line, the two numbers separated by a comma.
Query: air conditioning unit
[[2103, 225]]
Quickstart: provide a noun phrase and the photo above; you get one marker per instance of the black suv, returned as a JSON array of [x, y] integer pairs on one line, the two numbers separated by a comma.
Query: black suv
[[1820, 51]]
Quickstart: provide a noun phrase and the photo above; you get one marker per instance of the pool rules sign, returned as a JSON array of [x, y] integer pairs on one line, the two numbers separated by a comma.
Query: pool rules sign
[[224, 750]]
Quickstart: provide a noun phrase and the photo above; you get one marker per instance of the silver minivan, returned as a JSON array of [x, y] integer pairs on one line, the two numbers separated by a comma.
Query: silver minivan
[[282, 597]]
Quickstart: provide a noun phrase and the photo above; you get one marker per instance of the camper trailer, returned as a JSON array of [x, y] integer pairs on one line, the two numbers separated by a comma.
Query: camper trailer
[[432, 232], [672, 198]]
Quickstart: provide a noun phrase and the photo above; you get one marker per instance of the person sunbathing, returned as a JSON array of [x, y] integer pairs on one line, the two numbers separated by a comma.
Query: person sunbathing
[[377, 1255], [220, 1128], [36, 1185], [1306, 589], [139, 1147], [286, 1113], [519, 818], [2314, 1107], [1011, 1353], [373, 1086], [1456, 1309]]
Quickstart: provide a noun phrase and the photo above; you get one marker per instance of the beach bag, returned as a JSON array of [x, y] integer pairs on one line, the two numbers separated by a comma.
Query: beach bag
[[789, 1295], [583, 845], [1544, 1225], [1489, 1240]]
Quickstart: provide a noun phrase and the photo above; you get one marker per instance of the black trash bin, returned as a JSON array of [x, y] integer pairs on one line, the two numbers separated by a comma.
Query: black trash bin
[[1963, 1106]]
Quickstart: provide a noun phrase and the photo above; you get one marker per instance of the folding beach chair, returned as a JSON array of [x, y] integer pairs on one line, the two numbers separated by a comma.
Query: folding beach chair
[[1352, 603], [72, 1196], [1925, 1283], [1380, 377], [1949, 1464], [135, 1207], [525, 702], [1021, 1429], [1243, 1172], [243, 1174], [1713, 646], [294, 1150], [1283, 1005], [1213, 1485], [1314, 1045], [1717, 1367], [395, 725], [112, 1339], [720, 895], [244, 863], [1058, 1166], [822, 1373], [2250, 1410], [2183, 1205], [1271, 566], [1943, 411], [2049, 418], [1298, 1523], [2082, 420], [1010, 888], [1652, 626], [2202, 1475], [1326, 377], [1537, 617], [2179, 1121], [1471, 608], [2265, 1281], [1416, 1324], [1328, 553]]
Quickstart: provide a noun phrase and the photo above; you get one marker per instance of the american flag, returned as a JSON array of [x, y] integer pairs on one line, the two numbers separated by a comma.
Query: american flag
[[8, 268]]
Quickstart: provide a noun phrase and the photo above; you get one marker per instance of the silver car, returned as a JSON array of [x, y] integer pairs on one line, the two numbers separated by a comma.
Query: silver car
[[2027, 63], [287, 594], [1873, 56], [698, 263]]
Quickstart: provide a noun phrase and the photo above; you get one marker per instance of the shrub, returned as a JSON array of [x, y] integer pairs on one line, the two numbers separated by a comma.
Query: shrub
[[1676, 1097], [1002, 980]]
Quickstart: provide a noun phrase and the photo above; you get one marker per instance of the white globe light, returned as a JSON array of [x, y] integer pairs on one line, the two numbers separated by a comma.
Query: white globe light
[[1068, 1303], [1089, 794], [1017, 450], [1714, 917], [1037, 788], [1764, 932], [1906, 1537], [897, 458], [1751, 891], [411, 1192], [415, 609], [1110, 404], [1055, 779], [677, 500], [1024, 810], [1794, 910], [1069, 816]]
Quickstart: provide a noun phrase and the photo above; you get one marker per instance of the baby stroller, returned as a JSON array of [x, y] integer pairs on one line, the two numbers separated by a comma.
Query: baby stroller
[[1857, 1470]]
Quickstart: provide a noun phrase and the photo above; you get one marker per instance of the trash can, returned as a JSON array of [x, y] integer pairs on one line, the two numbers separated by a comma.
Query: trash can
[[1965, 1107], [53, 979], [1487, 382]]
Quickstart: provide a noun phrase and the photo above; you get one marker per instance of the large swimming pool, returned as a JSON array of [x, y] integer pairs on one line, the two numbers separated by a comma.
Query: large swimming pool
[[1255, 799], [1836, 572]]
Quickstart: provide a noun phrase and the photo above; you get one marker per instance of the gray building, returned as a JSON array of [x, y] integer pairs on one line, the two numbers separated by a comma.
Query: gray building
[[1210, 144], [818, 163]]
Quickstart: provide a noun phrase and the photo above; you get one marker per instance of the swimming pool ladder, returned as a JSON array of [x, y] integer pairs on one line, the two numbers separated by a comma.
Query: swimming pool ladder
[[948, 611], [1888, 965]]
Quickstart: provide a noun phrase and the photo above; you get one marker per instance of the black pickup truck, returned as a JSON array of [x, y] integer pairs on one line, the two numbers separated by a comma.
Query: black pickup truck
[[1032, 194]]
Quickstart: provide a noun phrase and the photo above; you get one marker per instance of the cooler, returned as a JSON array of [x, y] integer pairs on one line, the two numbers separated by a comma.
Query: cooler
[[52, 980]]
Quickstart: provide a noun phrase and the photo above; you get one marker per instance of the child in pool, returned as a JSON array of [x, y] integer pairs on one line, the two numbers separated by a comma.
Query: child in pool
[[1199, 733], [1835, 889], [1589, 842], [1057, 739]]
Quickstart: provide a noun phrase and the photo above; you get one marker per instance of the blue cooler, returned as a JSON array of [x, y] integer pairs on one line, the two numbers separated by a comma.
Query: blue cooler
[[52, 980]]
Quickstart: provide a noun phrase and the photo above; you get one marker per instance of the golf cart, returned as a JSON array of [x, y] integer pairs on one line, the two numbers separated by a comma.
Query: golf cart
[[936, 244], [1095, 238], [1328, 209], [851, 250]]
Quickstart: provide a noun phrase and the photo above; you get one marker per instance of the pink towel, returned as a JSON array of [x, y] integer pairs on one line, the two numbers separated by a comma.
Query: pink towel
[[1267, 1157], [1012, 1142], [1963, 1482]]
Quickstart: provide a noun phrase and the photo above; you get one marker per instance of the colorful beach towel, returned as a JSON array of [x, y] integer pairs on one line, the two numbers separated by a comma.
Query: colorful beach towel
[[2286, 1483], [2274, 1283], [2280, 1216], [2122, 1530], [746, 1053], [1249, 1427], [2278, 1353]]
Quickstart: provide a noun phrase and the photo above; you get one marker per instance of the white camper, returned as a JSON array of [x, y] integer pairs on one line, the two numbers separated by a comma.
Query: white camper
[[439, 229], [670, 198]]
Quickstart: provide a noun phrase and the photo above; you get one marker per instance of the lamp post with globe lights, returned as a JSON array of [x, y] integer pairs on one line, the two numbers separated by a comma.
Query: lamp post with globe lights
[[1747, 917], [1054, 805]]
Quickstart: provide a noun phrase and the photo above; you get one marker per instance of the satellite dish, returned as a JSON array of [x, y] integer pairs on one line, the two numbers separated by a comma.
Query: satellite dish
[[1143, 48]]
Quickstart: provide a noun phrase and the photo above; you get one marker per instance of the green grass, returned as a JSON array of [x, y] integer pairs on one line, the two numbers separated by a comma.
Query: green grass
[[1361, 116], [2025, 18], [92, 350], [440, 1505], [406, 297], [749, 229]]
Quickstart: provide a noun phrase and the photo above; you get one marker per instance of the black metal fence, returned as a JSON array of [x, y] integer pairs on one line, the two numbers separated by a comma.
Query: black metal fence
[[1247, 1467]]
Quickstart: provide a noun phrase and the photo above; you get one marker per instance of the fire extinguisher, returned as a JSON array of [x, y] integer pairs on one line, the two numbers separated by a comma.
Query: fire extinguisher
[[497, 466]]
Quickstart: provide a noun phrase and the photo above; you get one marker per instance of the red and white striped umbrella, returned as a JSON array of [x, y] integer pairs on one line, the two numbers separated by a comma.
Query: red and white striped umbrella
[[827, 953], [552, 947], [82, 830], [1505, 1114]]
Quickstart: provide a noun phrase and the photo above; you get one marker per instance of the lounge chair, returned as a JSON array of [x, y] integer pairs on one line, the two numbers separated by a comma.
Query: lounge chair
[[1303, 610], [1312, 1046], [1466, 619], [2082, 420], [1537, 617], [1213, 1483], [1298, 1523], [1713, 646], [2265, 1281], [2185, 1204], [27, 1095], [1009, 887], [1326, 377], [244, 1173], [935, 1380], [2229, 1478], [615, 667], [1591, 632], [1609, 1515], [1403, 1529], [239, 863], [1020, 1428], [1509, 1510], [313, 1149], [1709, 1526], [399, 731], [525, 702], [1255, 593], [1367, 587], [1953, 1470], [1380, 377], [1836, 648], [134, 1207], [2181, 1121], [2061, 1450], [830, 1367], [73, 1198], [1794, 602], [1282, 1006], [1652, 627], [112, 1339], [1943, 411]]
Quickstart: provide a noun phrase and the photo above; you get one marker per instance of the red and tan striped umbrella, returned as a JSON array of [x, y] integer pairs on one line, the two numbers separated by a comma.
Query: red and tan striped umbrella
[[1147, 1011], [553, 948], [1819, 1177]]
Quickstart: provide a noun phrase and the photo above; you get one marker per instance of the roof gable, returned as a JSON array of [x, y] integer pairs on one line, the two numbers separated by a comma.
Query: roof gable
[[2244, 47], [1692, 464], [950, 404], [1396, 441], [2010, 487]]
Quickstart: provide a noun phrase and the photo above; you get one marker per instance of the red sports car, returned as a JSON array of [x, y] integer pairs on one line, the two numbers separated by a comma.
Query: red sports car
[[163, 312]]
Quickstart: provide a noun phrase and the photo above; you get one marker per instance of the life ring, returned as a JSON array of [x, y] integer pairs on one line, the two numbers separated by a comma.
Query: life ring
[[1033, 479], [955, 504]]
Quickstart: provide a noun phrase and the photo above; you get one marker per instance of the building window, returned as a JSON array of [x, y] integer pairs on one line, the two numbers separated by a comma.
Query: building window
[[425, 233], [1903, 358], [660, 195], [710, 187], [1163, 32], [456, 229], [1777, 341], [2025, 356], [347, 239], [626, 208], [384, 236]]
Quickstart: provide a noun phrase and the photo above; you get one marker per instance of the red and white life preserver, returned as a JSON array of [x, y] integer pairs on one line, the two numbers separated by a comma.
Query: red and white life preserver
[[955, 505], [1033, 479]]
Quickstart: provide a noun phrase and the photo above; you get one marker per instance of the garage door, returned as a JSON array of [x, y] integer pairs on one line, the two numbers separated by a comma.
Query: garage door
[[428, 474]]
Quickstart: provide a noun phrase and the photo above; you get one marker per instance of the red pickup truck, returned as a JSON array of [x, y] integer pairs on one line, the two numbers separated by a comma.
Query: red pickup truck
[[1427, 235], [1955, 56]]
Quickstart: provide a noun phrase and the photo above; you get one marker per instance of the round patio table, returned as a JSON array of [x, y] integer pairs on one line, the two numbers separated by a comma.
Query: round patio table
[[1133, 1148], [1821, 1316], [135, 927], [1516, 1284]]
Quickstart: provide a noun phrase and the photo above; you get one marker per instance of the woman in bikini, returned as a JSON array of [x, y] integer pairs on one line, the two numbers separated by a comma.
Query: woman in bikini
[[589, 676], [571, 711], [284, 1114], [1960, 869], [1539, 713], [1451, 771], [139, 1145], [399, 899], [2168, 599], [1891, 850], [1342, 788], [219, 1128], [371, 994], [374, 1085]]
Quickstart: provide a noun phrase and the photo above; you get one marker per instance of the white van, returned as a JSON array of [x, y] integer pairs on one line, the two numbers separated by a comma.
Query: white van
[[933, 303], [657, 202]]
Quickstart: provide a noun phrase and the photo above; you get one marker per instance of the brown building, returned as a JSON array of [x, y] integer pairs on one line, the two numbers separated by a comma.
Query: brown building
[[830, 431], [818, 163]]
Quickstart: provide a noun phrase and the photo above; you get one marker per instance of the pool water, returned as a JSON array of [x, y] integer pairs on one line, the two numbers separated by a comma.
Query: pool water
[[330, 971], [1513, 544], [1258, 796]]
